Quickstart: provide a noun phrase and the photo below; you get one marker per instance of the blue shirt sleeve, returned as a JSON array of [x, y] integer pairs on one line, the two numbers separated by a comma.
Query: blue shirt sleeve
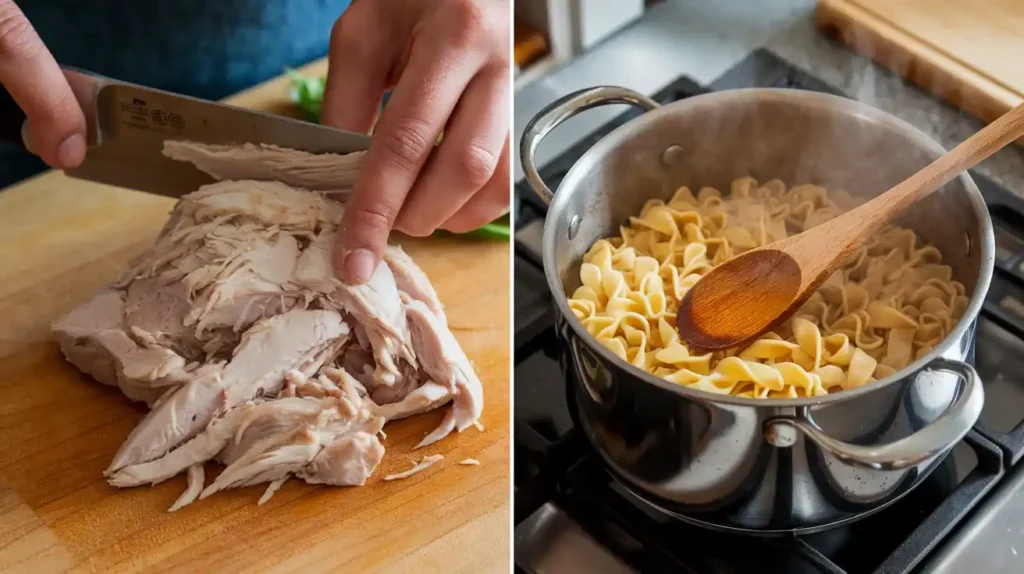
[[204, 48]]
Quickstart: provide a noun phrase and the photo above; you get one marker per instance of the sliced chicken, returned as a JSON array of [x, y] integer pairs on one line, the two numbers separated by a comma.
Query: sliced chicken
[[392, 402], [231, 435], [321, 172], [314, 269], [349, 386], [176, 418], [279, 454], [412, 281], [267, 441], [255, 287], [199, 449], [297, 384], [375, 305], [183, 246], [393, 392], [159, 306], [301, 340], [196, 476], [348, 461], [267, 420], [427, 397], [94, 339], [211, 227], [420, 466], [248, 350], [444, 361], [268, 202], [359, 363], [270, 460], [273, 487]]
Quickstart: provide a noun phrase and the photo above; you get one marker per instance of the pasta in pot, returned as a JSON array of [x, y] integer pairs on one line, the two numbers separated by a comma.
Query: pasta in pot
[[889, 304]]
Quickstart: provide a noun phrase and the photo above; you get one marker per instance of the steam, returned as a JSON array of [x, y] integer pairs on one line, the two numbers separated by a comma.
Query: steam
[[928, 102]]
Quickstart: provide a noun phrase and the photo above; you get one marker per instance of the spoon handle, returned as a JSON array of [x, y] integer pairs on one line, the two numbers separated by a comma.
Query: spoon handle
[[841, 237]]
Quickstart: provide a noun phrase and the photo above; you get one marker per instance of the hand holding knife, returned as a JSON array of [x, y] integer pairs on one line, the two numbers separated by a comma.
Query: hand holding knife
[[127, 124]]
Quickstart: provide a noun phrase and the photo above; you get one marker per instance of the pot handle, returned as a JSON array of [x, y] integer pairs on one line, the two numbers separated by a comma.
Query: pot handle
[[562, 109], [910, 451]]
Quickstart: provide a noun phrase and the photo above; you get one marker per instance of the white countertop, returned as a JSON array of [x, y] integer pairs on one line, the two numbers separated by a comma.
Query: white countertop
[[703, 39]]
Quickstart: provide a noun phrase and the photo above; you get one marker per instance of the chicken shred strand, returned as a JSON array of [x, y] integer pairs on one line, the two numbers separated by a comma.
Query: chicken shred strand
[[196, 476], [422, 465]]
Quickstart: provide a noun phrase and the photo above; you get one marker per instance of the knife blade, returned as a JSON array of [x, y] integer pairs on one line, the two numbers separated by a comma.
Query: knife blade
[[128, 124]]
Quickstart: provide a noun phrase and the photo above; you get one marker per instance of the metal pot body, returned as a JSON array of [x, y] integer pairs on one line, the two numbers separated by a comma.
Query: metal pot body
[[760, 466]]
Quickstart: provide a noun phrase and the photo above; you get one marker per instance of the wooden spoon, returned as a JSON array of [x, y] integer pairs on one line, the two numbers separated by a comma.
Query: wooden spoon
[[750, 294]]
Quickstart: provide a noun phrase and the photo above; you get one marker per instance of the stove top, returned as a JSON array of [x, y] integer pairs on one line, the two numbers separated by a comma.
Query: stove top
[[569, 514]]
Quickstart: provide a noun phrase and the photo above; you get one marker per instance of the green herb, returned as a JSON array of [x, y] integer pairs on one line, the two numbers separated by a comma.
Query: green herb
[[496, 231], [308, 93], [499, 230]]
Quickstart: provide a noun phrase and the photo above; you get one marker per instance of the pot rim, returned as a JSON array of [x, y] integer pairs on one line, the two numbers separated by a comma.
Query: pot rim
[[986, 241]]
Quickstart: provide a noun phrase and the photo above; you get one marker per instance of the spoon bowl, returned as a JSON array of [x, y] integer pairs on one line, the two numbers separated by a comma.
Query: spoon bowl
[[729, 311]]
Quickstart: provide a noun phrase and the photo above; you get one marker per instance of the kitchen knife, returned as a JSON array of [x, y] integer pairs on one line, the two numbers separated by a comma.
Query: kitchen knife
[[128, 124]]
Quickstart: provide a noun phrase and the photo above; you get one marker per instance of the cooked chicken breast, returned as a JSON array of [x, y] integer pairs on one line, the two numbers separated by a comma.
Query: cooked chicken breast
[[412, 281], [300, 340], [320, 172], [93, 337], [445, 363], [248, 350]]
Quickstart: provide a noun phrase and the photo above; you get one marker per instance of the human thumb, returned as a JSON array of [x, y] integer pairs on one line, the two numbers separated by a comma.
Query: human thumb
[[361, 241]]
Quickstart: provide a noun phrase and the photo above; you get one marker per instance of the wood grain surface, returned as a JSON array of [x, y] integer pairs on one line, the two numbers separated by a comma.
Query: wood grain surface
[[966, 53], [60, 240]]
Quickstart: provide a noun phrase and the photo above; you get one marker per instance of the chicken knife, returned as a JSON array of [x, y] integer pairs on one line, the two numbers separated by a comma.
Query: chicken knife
[[128, 124]]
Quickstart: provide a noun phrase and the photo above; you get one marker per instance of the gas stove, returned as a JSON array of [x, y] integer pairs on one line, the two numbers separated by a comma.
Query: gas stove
[[570, 516]]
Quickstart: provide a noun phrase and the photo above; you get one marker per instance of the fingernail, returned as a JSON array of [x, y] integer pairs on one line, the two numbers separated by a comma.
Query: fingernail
[[26, 136], [359, 264], [71, 151]]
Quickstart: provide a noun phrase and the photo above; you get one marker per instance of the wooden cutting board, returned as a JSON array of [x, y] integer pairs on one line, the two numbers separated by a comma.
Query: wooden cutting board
[[62, 239], [967, 53]]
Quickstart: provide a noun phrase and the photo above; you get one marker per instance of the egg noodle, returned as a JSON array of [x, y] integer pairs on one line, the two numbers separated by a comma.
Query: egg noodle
[[889, 304]]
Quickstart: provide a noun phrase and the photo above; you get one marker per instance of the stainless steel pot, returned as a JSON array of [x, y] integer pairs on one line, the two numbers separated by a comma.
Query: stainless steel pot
[[759, 466]]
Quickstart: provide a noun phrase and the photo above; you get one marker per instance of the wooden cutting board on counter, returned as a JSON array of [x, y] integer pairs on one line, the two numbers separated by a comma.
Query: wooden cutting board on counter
[[967, 53], [61, 240]]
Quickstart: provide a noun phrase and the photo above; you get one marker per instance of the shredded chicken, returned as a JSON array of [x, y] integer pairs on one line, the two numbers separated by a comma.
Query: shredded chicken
[[422, 465], [196, 476], [321, 172], [271, 489], [412, 280], [233, 329]]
